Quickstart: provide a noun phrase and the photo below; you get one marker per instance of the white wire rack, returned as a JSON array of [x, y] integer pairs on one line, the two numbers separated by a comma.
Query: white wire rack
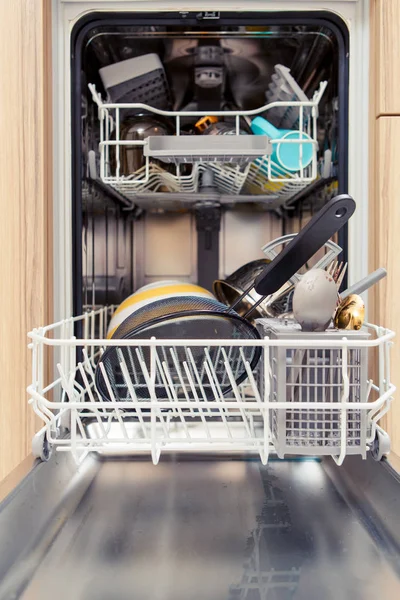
[[262, 176], [228, 179], [192, 405], [283, 186]]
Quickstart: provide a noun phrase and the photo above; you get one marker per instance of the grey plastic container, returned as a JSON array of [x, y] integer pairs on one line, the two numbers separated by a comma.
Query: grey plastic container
[[315, 375], [238, 149], [137, 80]]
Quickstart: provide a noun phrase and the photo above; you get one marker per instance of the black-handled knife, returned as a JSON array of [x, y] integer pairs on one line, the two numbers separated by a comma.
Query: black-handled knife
[[323, 225], [307, 242]]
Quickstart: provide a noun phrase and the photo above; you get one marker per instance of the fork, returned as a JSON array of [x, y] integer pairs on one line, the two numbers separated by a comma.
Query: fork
[[337, 271]]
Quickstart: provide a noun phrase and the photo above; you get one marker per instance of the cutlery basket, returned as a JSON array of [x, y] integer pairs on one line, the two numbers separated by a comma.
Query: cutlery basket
[[320, 375]]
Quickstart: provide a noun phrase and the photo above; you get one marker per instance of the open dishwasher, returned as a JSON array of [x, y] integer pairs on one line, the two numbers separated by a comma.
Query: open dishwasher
[[203, 465]]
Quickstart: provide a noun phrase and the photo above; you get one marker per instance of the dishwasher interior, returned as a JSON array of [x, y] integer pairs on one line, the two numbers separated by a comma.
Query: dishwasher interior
[[172, 182], [190, 218]]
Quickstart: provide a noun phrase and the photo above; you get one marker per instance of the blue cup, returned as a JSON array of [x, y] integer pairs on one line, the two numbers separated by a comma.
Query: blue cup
[[286, 156]]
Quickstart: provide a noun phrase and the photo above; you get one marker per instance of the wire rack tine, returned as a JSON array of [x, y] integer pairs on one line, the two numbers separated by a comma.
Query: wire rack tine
[[79, 424], [67, 383], [165, 384], [113, 399], [198, 378], [179, 373], [92, 399], [235, 391], [89, 370], [196, 397], [221, 409], [214, 376], [132, 363], [174, 394], [188, 363], [131, 389], [148, 383], [250, 376], [216, 362]]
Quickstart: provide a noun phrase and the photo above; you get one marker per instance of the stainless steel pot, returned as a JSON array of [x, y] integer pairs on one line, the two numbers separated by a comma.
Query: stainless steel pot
[[230, 289], [136, 128]]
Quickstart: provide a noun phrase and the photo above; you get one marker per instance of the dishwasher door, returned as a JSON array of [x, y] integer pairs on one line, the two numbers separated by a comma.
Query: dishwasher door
[[209, 529]]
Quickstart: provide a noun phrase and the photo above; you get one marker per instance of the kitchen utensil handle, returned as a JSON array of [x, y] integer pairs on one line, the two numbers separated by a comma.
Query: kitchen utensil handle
[[271, 299], [307, 242], [365, 283]]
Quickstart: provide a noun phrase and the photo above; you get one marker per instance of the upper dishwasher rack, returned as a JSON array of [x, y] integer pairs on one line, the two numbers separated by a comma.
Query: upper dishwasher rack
[[243, 165]]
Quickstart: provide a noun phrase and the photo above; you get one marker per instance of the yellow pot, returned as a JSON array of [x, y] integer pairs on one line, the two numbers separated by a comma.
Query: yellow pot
[[147, 294]]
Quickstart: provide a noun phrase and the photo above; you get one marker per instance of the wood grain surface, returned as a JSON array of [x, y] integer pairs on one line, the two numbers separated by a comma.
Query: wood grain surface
[[26, 210], [384, 181], [384, 298], [387, 32]]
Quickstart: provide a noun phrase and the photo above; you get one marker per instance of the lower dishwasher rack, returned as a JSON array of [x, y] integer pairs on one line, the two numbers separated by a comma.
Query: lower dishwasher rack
[[265, 413]]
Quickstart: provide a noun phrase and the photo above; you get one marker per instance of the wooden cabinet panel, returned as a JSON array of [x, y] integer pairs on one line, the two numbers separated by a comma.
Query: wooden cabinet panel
[[384, 249], [385, 37], [26, 220]]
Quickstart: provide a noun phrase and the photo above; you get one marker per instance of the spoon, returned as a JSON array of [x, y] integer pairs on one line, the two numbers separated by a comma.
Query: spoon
[[350, 313], [315, 299]]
